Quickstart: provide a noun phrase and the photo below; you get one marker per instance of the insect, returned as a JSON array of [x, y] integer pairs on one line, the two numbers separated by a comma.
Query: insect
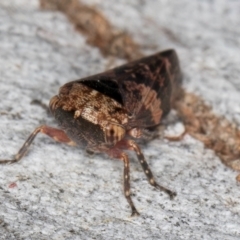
[[108, 112]]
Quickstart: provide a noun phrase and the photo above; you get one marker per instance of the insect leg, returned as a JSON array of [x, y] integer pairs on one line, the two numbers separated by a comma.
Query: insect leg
[[54, 133], [132, 145], [126, 175]]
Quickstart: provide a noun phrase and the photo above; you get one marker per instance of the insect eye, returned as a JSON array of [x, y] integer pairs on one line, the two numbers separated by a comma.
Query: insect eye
[[130, 116], [53, 103], [114, 133], [111, 131]]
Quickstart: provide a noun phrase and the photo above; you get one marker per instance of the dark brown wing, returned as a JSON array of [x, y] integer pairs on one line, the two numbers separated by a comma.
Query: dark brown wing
[[145, 87]]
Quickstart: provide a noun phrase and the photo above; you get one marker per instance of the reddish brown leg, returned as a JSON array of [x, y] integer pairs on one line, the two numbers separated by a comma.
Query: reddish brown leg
[[131, 145], [54, 133], [123, 156]]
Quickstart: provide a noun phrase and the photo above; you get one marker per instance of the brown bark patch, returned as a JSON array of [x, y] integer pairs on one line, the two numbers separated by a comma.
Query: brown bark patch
[[99, 32], [216, 132]]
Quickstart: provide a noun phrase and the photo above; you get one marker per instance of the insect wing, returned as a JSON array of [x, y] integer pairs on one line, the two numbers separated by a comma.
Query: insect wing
[[144, 87]]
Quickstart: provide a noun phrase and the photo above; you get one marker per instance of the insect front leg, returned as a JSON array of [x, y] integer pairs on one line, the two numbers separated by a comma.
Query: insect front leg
[[126, 176], [131, 145], [54, 133]]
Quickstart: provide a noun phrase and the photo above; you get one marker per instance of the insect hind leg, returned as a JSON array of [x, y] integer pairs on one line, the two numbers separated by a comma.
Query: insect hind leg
[[56, 134]]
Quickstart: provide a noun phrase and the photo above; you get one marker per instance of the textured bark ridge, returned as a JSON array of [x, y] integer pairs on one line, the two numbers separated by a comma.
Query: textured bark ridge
[[99, 31], [217, 133]]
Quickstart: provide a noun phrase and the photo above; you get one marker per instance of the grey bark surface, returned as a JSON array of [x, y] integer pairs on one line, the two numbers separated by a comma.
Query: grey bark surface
[[59, 192]]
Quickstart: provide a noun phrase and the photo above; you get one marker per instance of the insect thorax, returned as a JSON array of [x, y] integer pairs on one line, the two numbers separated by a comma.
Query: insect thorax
[[89, 117]]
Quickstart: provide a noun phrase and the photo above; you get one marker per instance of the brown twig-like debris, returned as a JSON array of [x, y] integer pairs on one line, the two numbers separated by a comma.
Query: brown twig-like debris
[[217, 133], [96, 27]]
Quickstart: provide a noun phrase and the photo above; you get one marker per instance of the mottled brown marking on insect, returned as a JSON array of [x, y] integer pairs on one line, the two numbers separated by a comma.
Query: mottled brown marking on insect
[[53, 103], [149, 99], [76, 98], [135, 132], [77, 113]]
